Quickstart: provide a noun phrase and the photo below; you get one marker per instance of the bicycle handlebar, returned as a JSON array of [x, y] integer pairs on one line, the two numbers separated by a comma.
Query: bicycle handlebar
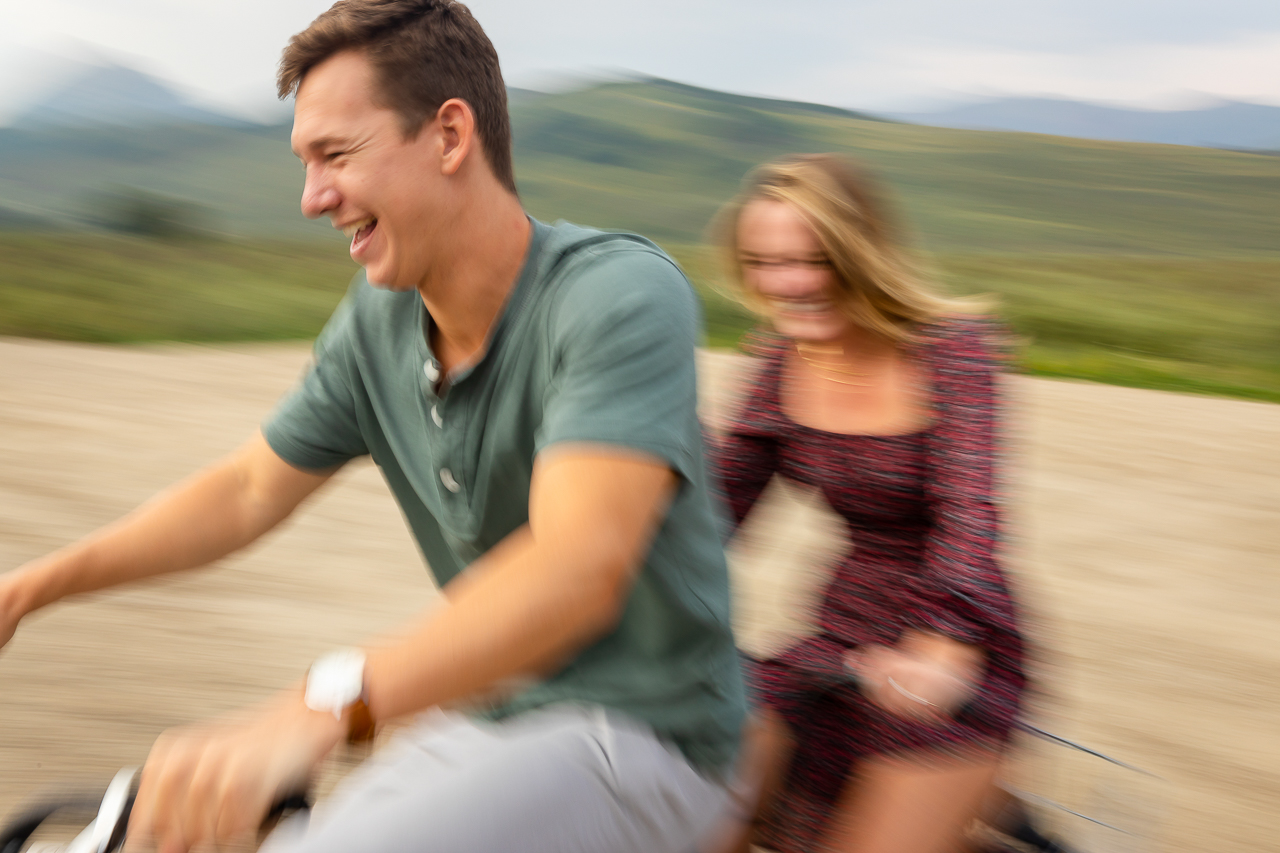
[[106, 832]]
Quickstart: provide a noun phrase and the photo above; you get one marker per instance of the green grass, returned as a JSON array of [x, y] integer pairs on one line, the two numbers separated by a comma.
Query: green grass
[[1208, 326], [1148, 265], [106, 288], [1199, 325], [1203, 325]]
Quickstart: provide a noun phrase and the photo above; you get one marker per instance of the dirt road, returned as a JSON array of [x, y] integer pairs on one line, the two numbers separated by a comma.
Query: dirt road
[[1145, 537]]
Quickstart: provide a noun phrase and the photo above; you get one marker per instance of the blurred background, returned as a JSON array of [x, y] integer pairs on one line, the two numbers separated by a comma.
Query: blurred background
[[1130, 244], [1109, 170]]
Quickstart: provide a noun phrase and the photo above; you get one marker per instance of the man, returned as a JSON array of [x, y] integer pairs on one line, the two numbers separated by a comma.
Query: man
[[528, 392]]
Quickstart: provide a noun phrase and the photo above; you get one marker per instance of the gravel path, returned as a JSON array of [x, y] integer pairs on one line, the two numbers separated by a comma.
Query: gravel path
[[1145, 536]]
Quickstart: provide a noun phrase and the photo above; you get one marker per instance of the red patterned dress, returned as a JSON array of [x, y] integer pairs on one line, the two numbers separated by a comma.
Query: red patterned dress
[[921, 514]]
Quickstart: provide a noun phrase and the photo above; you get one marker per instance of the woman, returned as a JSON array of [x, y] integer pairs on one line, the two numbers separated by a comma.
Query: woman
[[881, 394]]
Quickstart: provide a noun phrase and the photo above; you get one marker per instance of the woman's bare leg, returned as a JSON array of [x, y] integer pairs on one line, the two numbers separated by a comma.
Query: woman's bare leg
[[911, 805]]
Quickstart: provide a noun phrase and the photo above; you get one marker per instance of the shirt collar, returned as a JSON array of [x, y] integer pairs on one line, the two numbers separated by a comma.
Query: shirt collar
[[510, 311]]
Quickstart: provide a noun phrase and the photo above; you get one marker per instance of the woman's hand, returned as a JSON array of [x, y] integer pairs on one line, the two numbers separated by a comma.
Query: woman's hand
[[925, 676]]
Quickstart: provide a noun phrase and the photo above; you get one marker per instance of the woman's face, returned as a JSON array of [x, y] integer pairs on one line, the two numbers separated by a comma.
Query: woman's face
[[784, 263]]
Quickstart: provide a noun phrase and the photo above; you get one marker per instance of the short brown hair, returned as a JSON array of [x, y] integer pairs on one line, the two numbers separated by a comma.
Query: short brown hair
[[879, 286], [424, 52]]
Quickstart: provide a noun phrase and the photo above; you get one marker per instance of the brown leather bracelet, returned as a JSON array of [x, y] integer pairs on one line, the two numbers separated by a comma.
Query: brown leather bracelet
[[360, 725]]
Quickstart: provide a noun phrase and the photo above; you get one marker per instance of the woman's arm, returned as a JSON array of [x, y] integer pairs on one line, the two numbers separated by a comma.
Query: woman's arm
[[960, 591], [742, 465], [744, 456], [959, 601]]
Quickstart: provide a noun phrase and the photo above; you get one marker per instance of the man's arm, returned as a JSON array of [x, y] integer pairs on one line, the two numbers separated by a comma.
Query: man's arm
[[546, 591], [207, 516]]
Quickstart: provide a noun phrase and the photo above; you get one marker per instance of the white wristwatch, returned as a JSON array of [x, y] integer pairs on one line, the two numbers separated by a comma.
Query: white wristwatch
[[335, 685]]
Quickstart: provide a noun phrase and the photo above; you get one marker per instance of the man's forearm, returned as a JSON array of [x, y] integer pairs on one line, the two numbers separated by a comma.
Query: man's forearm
[[542, 595], [514, 615], [205, 517]]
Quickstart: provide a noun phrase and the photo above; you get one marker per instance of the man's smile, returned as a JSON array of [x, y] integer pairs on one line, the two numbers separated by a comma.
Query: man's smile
[[360, 231]]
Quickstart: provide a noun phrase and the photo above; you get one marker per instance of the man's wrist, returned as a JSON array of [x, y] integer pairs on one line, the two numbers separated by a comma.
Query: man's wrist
[[17, 598], [44, 581], [321, 730], [336, 685]]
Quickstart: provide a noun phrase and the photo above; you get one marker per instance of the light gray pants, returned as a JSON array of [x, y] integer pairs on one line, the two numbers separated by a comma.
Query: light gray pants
[[565, 779]]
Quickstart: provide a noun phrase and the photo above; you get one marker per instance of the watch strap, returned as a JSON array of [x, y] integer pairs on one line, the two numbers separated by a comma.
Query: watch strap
[[360, 725]]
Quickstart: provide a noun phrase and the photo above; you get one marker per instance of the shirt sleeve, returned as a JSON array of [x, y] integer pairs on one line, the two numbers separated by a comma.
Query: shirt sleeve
[[961, 591], [623, 371], [316, 426]]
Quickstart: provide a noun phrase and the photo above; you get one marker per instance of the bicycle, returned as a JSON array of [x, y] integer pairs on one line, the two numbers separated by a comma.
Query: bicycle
[[105, 832]]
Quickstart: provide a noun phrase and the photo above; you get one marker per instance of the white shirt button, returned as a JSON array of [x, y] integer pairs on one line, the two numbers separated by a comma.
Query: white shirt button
[[432, 371], [446, 477], [435, 417]]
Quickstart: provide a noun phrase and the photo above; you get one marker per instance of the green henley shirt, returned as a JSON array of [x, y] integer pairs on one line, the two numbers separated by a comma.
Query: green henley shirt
[[596, 344]]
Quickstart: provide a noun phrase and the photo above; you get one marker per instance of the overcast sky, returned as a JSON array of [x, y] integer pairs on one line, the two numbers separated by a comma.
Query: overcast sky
[[878, 55]]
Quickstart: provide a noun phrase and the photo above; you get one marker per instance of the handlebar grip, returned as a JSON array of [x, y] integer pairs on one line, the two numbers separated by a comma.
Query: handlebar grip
[[297, 801]]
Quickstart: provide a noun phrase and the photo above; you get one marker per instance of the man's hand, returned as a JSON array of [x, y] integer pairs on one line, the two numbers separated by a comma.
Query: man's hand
[[212, 784], [925, 676], [527, 606]]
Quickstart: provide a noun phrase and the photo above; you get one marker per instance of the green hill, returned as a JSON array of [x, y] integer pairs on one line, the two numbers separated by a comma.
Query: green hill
[[660, 157], [246, 179], [1142, 264]]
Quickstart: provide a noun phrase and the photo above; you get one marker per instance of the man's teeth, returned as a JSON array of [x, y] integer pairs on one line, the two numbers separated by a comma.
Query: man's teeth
[[354, 228]]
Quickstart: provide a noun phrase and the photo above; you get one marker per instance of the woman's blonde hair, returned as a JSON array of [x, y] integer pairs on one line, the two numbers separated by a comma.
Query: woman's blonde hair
[[879, 287]]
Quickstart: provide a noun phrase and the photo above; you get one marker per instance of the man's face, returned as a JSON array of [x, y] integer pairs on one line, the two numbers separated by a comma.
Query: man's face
[[375, 185]]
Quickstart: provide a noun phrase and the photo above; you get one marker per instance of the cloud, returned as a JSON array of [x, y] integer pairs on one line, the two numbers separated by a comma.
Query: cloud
[[879, 55], [1245, 68]]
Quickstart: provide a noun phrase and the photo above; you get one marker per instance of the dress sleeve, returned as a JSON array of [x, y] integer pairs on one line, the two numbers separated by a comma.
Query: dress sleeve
[[961, 591], [742, 463], [746, 456]]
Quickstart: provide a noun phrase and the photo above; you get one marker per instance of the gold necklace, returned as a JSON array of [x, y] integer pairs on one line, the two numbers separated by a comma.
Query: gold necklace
[[824, 369]]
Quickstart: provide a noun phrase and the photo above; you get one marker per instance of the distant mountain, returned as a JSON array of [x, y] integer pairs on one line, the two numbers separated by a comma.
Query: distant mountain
[[18, 220], [519, 97], [1227, 125], [659, 158], [730, 100], [116, 95]]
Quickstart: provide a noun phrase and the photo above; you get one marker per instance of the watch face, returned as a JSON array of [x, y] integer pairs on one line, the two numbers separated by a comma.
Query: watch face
[[335, 681]]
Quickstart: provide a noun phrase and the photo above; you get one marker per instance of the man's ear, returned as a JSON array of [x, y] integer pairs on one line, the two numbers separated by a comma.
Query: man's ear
[[457, 134]]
